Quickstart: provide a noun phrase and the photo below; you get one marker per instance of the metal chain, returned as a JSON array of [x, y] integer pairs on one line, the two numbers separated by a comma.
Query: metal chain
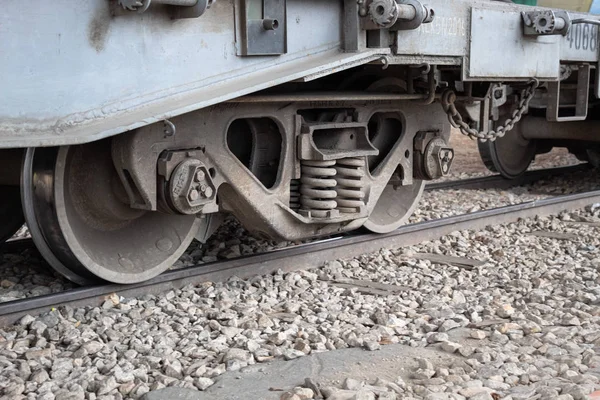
[[449, 97]]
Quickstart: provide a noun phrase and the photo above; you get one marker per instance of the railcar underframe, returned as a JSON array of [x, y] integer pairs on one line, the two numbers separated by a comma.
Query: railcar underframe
[[129, 127]]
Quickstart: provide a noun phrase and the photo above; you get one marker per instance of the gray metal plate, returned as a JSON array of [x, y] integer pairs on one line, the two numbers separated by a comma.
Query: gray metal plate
[[499, 49], [581, 44], [447, 35], [74, 72]]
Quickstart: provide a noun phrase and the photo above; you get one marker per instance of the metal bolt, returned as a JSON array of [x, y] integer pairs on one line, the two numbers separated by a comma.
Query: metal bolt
[[208, 192], [193, 196], [200, 175], [202, 188]]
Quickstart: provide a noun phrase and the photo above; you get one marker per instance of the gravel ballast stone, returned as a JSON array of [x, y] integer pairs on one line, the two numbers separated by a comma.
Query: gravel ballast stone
[[524, 323]]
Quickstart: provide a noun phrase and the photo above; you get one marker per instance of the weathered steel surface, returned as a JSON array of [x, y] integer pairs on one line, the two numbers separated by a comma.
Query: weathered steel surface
[[499, 50], [494, 48], [73, 72]]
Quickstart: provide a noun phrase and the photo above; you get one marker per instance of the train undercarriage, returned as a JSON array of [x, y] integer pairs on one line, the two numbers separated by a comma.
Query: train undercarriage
[[301, 119]]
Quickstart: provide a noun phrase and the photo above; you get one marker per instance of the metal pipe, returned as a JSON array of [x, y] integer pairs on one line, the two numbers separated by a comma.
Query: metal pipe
[[540, 128], [406, 11], [585, 21], [560, 24], [328, 96], [270, 24]]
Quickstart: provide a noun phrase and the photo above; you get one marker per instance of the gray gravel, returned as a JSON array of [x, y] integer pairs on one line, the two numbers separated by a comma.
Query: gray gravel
[[536, 300], [445, 203], [27, 275]]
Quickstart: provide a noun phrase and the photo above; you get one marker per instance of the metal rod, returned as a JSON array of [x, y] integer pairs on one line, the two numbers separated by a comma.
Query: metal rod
[[560, 24], [540, 128], [585, 21], [432, 85], [406, 11], [327, 96]]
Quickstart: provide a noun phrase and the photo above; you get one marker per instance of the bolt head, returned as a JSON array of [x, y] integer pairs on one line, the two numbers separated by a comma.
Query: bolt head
[[194, 195], [208, 192], [200, 175]]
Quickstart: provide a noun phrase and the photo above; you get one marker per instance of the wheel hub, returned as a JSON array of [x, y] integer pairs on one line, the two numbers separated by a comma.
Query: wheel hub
[[75, 207]]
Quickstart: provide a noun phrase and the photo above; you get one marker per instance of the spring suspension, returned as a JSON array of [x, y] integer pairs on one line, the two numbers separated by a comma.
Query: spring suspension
[[317, 188], [295, 194], [350, 195]]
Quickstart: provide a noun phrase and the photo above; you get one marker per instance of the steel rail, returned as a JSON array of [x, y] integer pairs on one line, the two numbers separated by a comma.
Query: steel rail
[[306, 256], [498, 182]]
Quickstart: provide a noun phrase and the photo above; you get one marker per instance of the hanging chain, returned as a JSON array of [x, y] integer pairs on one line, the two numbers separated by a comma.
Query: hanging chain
[[449, 97]]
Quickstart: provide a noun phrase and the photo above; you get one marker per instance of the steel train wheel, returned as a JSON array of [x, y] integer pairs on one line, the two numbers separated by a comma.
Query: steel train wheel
[[76, 209], [397, 202], [394, 207], [510, 155], [11, 212]]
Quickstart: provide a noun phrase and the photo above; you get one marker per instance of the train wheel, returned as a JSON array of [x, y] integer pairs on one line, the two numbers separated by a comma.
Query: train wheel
[[510, 155], [76, 210], [11, 212], [397, 202], [394, 207]]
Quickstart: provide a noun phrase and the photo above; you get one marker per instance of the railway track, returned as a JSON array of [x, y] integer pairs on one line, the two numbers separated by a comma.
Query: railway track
[[498, 182], [313, 254]]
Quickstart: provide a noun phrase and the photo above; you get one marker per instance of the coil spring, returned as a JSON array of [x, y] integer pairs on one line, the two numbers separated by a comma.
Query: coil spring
[[295, 194], [349, 189], [317, 188]]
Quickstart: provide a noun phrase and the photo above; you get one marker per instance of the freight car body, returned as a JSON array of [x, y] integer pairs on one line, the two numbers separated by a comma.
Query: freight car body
[[129, 127]]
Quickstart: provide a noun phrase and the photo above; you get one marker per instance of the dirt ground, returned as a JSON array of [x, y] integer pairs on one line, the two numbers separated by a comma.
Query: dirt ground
[[467, 160]]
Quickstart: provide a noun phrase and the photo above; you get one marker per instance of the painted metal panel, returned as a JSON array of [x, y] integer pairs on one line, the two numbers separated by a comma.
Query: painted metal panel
[[581, 44], [499, 49], [73, 72], [447, 35], [450, 33]]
